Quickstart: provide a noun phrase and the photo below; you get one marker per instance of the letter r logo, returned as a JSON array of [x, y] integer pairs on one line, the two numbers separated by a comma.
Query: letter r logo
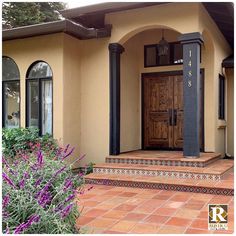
[[218, 213]]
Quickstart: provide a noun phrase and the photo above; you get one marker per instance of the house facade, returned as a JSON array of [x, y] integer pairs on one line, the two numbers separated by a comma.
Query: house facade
[[118, 77]]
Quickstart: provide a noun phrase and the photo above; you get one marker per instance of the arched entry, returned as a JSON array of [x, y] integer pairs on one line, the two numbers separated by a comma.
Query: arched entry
[[116, 77]]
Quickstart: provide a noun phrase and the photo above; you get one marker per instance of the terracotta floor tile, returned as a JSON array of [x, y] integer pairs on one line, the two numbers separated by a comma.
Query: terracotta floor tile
[[156, 219], [154, 202], [171, 204], [135, 201], [203, 215], [112, 232], [116, 200], [94, 230], [101, 223], [101, 198], [220, 200], [115, 214], [162, 197], [83, 220], [165, 211], [145, 228], [90, 203], [146, 209], [125, 207], [135, 216], [127, 194], [180, 198], [199, 224], [86, 196], [95, 212], [193, 206], [166, 229], [196, 231], [123, 226], [180, 222], [187, 213], [105, 206], [112, 193], [82, 209]]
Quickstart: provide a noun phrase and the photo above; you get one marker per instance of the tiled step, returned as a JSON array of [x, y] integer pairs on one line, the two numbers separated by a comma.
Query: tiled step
[[163, 158], [214, 171], [222, 187]]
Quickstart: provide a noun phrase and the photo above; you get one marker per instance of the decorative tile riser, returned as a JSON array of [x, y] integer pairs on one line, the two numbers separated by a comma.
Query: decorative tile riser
[[171, 187], [159, 162], [166, 174]]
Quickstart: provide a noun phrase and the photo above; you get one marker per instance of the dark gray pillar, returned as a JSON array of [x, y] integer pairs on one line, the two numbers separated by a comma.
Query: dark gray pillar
[[191, 77], [115, 50]]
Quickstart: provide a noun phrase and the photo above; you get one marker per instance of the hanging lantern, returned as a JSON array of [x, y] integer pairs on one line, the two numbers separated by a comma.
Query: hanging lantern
[[163, 46]]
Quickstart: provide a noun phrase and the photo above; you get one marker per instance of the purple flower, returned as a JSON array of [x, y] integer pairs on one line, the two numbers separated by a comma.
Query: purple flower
[[44, 199], [68, 154], [40, 158], [66, 211], [59, 207], [67, 146], [33, 219], [8, 180], [38, 181], [59, 171], [8, 167], [5, 214], [68, 184], [70, 197], [22, 183], [26, 175], [5, 201]]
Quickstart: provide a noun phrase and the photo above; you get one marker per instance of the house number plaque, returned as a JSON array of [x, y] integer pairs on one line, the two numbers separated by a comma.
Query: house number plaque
[[190, 70]]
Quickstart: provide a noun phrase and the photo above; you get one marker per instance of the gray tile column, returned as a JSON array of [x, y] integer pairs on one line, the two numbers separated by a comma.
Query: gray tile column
[[191, 77], [115, 50]]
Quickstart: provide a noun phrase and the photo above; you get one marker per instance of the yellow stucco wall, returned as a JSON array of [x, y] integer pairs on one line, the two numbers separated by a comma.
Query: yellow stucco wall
[[81, 75], [214, 137], [95, 100], [72, 56], [46, 48], [229, 73]]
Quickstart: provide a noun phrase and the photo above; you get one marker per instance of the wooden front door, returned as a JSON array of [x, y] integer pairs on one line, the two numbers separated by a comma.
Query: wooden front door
[[163, 112]]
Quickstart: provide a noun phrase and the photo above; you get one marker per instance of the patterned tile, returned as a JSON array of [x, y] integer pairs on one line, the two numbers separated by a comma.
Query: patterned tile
[[172, 187]]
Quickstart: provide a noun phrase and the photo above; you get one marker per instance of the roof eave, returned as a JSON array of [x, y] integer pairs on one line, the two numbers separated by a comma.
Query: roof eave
[[65, 26]]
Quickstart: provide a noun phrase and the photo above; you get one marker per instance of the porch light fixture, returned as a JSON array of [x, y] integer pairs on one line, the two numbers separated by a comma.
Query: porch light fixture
[[163, 46]]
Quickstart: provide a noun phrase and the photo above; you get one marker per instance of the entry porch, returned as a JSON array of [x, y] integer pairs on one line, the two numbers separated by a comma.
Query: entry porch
[[167, 170]]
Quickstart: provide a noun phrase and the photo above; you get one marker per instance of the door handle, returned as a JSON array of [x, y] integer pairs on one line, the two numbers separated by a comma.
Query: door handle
[[175, 117], [170, 117]]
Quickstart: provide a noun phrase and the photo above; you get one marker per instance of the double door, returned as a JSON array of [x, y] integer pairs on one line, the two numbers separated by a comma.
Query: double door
[[163, 112]]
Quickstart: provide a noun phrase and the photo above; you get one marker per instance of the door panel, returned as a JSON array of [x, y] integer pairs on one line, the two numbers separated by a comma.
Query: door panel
[[157, 131], [178, 111]]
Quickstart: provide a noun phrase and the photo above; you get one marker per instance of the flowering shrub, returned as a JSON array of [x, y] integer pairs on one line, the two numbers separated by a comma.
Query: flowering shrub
[[39, 195], [23, 141]]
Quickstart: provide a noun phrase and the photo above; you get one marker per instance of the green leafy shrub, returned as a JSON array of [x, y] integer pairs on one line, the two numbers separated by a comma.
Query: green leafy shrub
[[23, 141], [39, 195], [89, 168]]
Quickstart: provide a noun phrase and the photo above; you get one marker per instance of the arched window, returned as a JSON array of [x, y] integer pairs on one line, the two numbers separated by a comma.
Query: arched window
[[39, 97], [11, 93]]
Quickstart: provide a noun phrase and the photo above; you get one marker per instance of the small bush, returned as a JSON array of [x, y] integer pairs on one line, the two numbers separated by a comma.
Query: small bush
[[23, 141], [39, 195]]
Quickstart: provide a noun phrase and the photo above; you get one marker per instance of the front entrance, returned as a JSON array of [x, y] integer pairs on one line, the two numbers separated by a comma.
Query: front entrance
[[163, 111]]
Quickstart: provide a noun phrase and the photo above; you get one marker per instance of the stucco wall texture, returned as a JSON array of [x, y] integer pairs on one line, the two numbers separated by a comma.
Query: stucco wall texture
[[81, 76]]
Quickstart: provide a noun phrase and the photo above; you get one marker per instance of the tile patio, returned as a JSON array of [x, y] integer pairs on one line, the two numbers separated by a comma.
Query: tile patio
[[121, 210]]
